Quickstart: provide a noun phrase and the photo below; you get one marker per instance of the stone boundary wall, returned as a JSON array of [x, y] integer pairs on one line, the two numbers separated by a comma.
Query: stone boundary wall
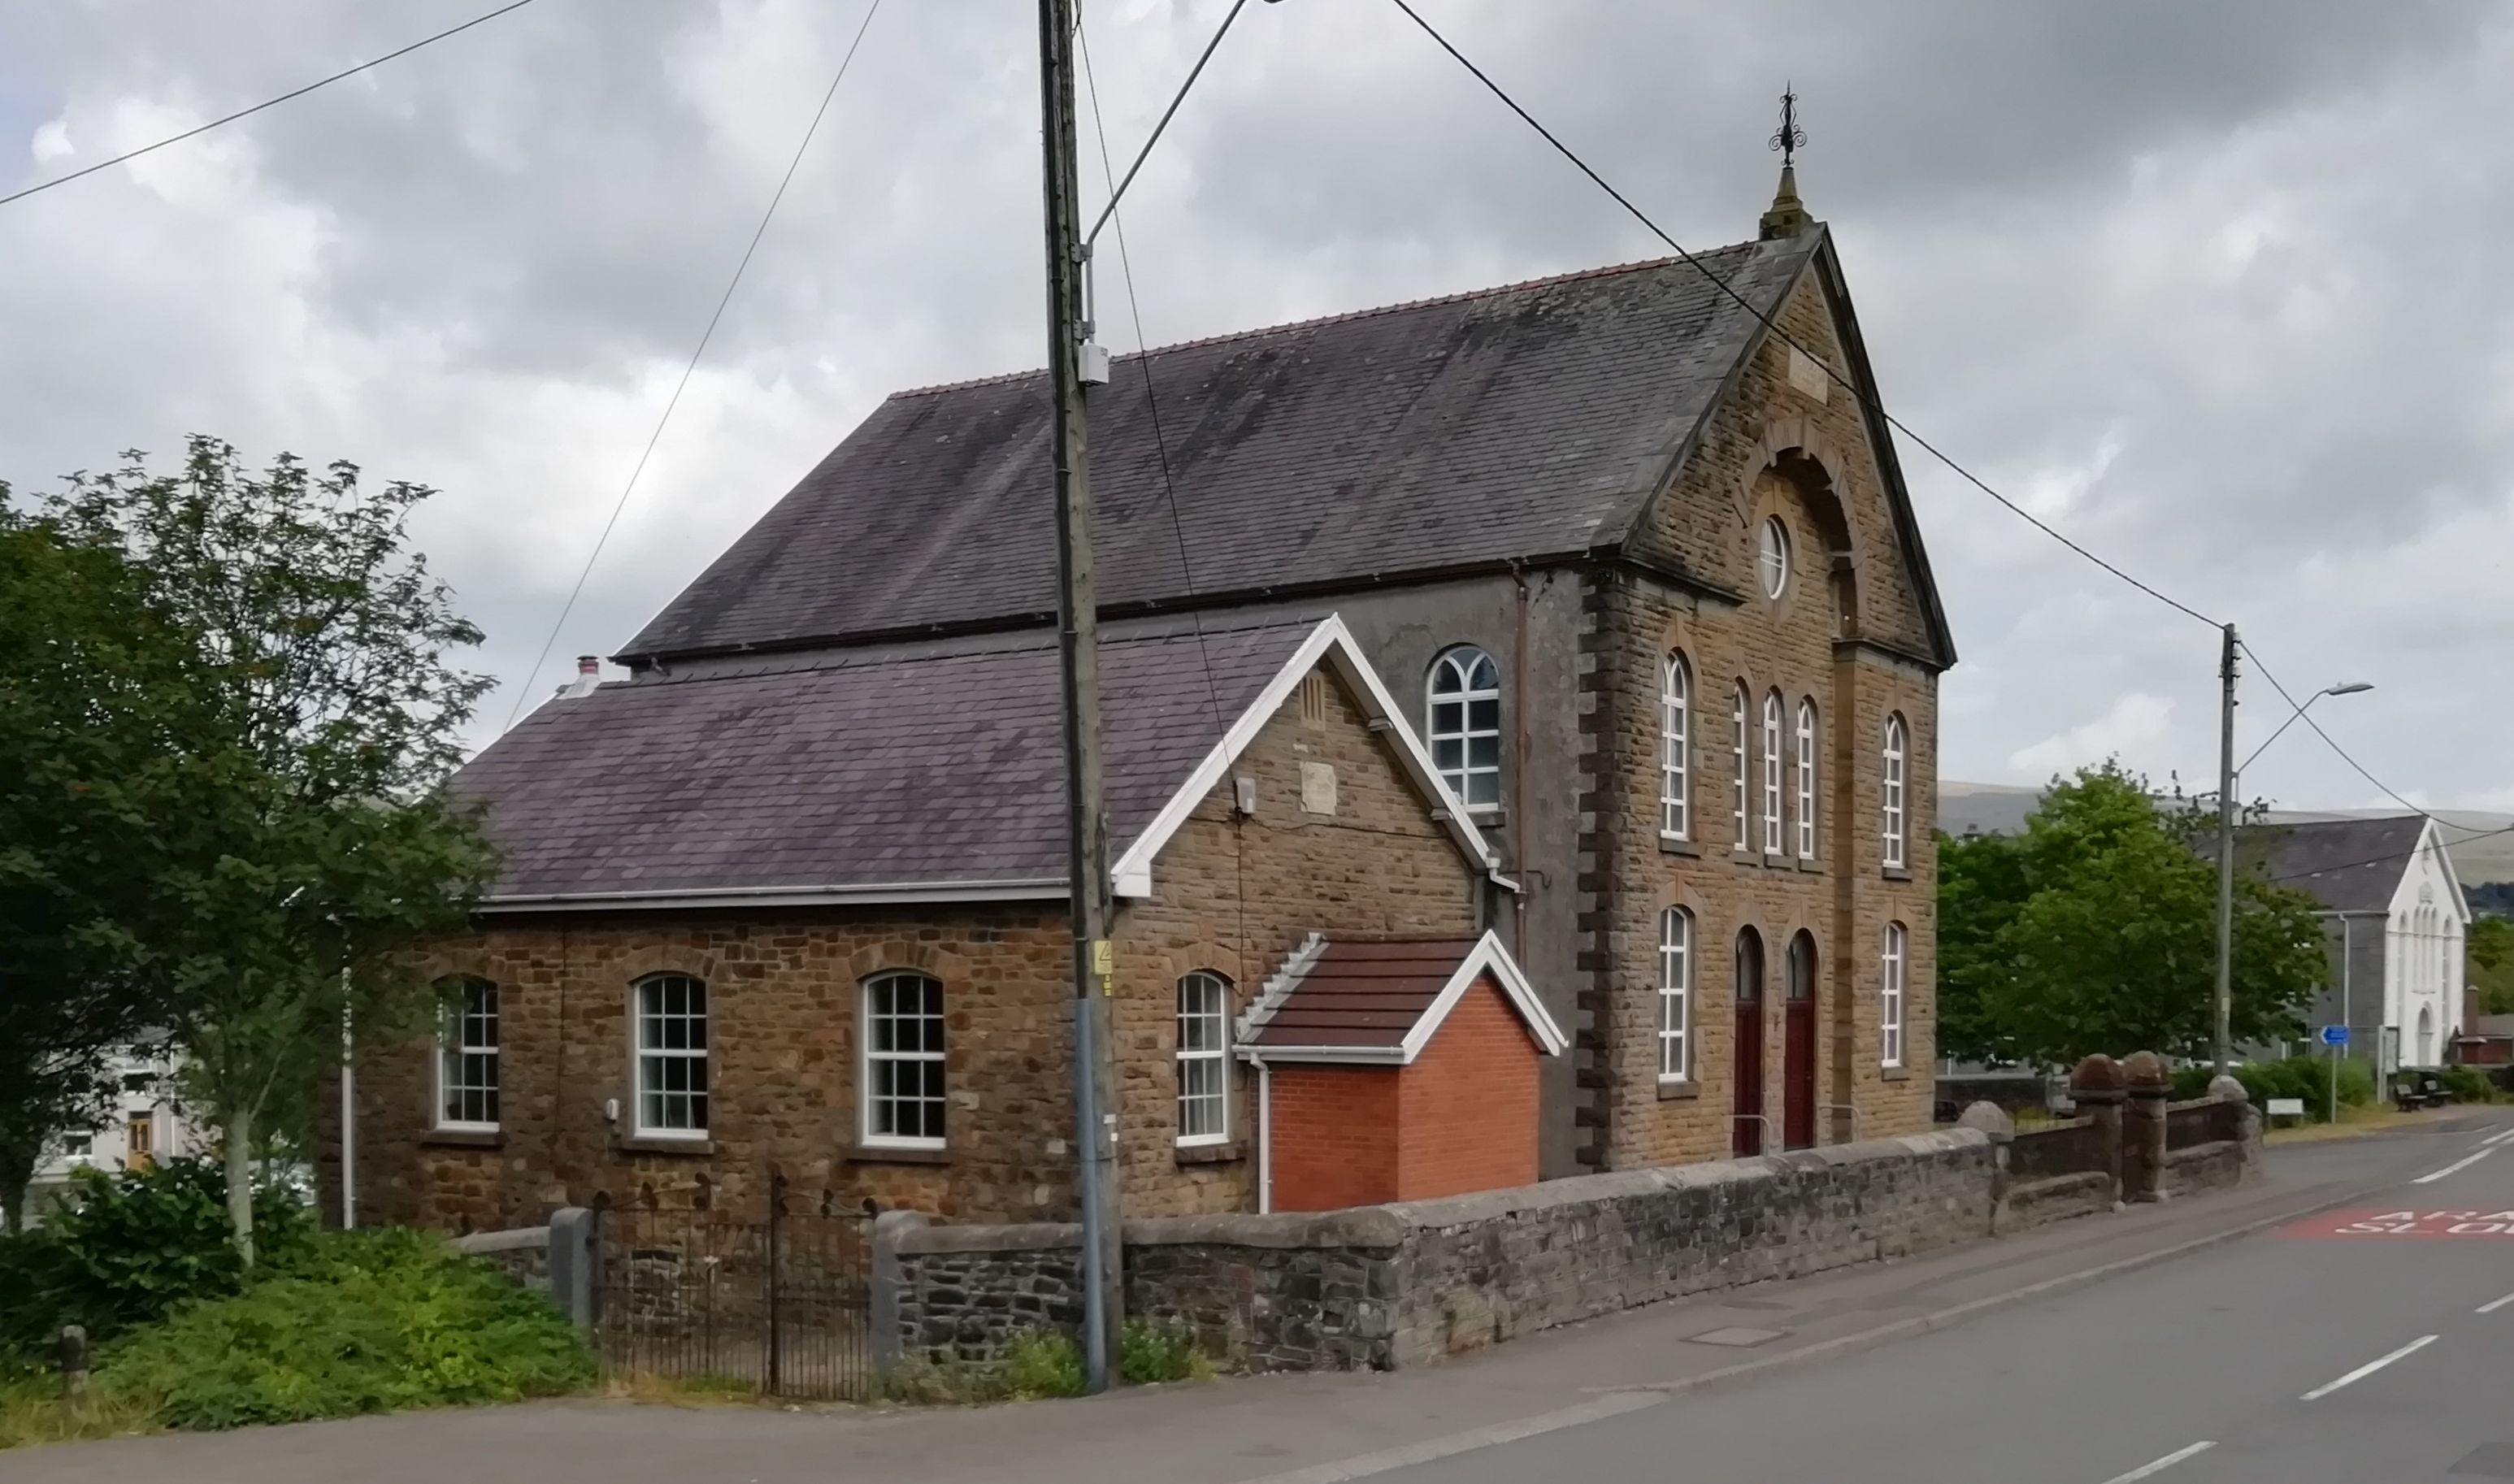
[[2055, 1198], [1380, 1287], [2203, 1167], [558, 1259], [522, 1253]]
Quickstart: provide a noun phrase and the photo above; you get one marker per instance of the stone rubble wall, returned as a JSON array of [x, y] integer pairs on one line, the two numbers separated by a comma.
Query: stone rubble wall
[[1379, 1287]]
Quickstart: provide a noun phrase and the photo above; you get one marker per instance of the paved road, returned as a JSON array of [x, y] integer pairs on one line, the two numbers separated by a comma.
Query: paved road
[[2208, 1321], [2373, 1343]]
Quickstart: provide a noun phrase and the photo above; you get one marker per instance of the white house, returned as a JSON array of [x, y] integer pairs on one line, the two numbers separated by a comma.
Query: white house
[[2393, 906], [145, 1125]]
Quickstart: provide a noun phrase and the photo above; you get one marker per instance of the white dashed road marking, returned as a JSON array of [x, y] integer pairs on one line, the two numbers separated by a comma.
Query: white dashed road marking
[[2150, 1471], [2460, 1164], [2493, 1306], [2369, 1369]]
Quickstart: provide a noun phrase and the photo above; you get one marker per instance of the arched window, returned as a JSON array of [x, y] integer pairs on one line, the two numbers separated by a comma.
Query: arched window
[[466, 1055], [1890, 1006], [1203, 1058], [1737, 756], [1897, 746], [1466, 725], [1675, 994], [1676, 749], [1807, 779], [2425, 1049], [1801, 966], [1773, 754], [901, 1066], [1774, 559], [671, 1057]]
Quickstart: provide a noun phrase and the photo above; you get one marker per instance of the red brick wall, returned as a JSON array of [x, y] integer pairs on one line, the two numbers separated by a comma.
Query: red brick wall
[[1335, 1135], [1467, 1108]]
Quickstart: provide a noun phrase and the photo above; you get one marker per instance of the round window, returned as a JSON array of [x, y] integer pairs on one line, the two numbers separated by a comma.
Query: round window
[[1775, 556]]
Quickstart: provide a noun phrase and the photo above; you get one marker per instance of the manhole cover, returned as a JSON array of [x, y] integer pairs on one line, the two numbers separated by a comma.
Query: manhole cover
[[1737, 1336], [2488, 1461]]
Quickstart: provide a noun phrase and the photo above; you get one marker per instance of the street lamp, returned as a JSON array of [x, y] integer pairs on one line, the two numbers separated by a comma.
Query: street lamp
[[2350, 688], [2227, 785]]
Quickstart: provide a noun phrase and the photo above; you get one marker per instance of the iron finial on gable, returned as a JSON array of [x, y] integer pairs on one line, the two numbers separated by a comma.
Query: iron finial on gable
[[1788, 217]]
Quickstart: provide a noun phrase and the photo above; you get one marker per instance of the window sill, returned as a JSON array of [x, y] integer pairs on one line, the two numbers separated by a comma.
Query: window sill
[[465, 1138], [1210, 1153], [1811, 865], [1893, 1074], [1671, 845], [1897, 872], [1677, 1090], [895, 1154], [649, 1144]]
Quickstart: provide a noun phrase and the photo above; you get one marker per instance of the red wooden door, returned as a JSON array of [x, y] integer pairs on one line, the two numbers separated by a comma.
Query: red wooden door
[[1797, 1048], [1747, 1074]]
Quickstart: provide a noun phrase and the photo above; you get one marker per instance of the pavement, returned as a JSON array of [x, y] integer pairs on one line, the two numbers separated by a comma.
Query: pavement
[[2336, 1320]]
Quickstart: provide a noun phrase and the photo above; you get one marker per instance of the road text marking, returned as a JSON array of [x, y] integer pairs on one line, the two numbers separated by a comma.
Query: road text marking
[[2367, 1369], [2494, 1304], [2149, 1470], [2460, 1164], [2375, 1221]]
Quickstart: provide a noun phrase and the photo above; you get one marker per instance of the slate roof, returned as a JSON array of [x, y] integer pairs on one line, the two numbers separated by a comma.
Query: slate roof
[[1514, 423], [2348, 865], [843, 774]]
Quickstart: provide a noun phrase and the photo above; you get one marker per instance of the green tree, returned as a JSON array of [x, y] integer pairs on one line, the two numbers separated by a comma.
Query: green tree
[[93, 696], [319, 846], [2094, 931], [2491, 964]]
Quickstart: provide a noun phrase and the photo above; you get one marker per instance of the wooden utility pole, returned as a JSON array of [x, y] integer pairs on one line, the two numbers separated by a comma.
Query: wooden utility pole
[[2221, 1034], [1079, 645]]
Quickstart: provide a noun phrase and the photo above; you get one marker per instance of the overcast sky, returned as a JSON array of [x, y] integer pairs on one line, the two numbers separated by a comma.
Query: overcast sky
[[2216, 288]]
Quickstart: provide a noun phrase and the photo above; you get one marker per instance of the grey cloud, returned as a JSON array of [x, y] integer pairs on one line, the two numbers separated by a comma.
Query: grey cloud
[[483, 265]]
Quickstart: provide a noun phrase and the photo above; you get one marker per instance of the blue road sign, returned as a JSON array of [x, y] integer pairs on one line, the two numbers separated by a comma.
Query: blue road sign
[[2335, 1035]]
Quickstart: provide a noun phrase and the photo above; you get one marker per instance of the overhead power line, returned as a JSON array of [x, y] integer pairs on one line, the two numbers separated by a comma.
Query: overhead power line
[[1193, 73], [272, 103], [705, 336], [1864, 394], [2327, 740]]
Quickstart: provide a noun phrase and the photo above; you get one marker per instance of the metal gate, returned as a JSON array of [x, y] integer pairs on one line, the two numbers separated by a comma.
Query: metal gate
[[771, 1301]]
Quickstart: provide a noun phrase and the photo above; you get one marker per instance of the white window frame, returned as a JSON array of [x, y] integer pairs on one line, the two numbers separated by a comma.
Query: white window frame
[[1210, 1058], [1675, 995], [1738, 753], [1806, 779], [870, 1104], [453, 1054], [1772, 556], [644, 1041], [1676, 749], [1897, 755], [1459, 666], [1774, 842], [1889, 1003]]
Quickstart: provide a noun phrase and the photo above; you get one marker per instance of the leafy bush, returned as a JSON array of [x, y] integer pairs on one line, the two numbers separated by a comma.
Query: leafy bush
[[2468, 1084], [370, 1321], [2305, 1077], [132, 1246], [1156, 1352], [1042, 1363]]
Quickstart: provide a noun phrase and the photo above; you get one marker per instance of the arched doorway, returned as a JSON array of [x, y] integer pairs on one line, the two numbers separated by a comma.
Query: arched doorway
[[1747, 1075], [2424, 1049], [1797, 1047]]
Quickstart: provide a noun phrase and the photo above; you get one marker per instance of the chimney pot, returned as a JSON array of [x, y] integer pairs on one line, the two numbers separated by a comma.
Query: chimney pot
[[588, 664]]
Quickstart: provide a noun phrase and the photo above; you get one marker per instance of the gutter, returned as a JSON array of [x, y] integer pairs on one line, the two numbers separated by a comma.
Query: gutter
[[1020, 889]]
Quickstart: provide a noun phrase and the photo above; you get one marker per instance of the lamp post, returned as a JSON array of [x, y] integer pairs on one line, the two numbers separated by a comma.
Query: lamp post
[[2228, 783]]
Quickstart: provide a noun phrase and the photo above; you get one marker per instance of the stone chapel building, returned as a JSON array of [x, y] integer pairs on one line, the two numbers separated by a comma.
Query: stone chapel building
[[1634, 577]]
